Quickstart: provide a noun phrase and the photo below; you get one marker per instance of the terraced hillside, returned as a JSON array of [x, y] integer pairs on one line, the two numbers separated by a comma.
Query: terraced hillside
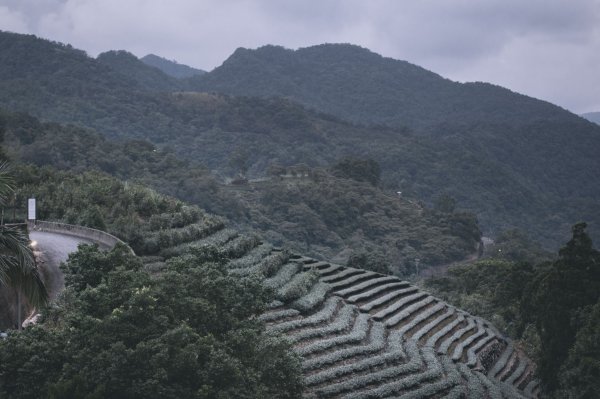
[[360, 334]]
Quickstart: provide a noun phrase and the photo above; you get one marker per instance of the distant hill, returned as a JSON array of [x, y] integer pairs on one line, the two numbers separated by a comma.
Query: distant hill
[[171, 68], [592, 116], [146, 76], [514, 160], [358, 85]]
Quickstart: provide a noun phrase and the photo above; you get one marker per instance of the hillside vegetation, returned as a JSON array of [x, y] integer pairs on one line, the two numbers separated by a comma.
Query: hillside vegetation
[[513, 160], [484, 138], [431, 346], [181, 319], [329, 214], [131, 327], [552, 307], [342, 219], [171, 68], [358, 85], [144, 75]]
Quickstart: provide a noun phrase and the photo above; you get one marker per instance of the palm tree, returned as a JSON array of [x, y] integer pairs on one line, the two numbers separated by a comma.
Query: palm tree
[[17, 263]]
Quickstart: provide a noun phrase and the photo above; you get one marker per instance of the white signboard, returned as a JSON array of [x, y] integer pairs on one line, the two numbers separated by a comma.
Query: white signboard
[[31, 209]]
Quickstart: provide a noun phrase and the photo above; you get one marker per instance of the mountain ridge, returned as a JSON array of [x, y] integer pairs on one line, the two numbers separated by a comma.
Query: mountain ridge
[[356, 84], [146, 76], [171, 68]]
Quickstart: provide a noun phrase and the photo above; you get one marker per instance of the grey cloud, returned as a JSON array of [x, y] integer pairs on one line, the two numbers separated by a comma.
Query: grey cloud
[[32, 10]]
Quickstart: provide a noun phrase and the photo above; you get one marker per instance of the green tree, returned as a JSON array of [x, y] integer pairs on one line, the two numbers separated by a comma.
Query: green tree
[[17, 264], [580, 375], [559, 297], [190, 332]]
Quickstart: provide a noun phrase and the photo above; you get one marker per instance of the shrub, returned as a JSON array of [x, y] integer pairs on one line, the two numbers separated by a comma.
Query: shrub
[[432, 341], [297, 286], [285, 273], [376, 344], [321, 316], [408, 311], [393, 307], [443, 349], [342, 321], [357, 334], [386, 298], [252, 258], [313, 298]]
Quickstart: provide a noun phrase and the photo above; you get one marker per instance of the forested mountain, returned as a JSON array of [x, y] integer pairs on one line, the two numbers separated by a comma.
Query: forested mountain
[[329, 214], [540, 147], [514, 160], [144, 75], [358, 85], [171, 68]]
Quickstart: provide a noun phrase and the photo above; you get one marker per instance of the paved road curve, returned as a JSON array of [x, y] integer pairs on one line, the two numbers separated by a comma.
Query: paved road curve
[[52, 249]]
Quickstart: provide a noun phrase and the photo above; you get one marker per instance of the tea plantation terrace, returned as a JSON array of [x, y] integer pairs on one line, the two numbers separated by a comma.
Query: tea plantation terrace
[[360, 334]]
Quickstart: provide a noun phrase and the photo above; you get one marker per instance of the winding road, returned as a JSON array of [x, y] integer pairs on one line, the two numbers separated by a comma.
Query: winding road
[[52, 249]]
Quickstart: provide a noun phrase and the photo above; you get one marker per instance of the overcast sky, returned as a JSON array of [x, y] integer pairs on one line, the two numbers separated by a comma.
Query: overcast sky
[[549, 49]]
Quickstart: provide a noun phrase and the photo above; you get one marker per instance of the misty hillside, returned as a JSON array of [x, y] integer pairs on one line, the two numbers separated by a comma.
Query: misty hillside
[[171, 68], [356, 84], [592, 116], [145, 75], [513, 160]]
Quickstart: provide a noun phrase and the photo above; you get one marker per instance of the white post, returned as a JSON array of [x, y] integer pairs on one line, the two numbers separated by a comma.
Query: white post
[[31, 211]]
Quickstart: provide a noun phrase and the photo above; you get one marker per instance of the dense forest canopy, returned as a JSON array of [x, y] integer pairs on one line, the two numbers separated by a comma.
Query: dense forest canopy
[[356, 84], [340, 213]]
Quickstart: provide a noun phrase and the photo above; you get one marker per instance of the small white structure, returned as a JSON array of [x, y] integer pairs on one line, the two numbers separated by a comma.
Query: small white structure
[[31, 209]]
